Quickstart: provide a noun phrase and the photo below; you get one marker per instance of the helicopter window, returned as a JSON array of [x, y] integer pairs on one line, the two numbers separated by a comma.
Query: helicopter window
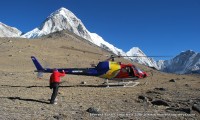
[[131, 71], [139, 71], [128, 69]]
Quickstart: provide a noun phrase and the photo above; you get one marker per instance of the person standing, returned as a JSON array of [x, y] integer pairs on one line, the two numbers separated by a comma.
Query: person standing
[[54, 84]]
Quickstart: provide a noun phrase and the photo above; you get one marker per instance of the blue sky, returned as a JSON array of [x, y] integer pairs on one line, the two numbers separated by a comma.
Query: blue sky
[[157, 27]]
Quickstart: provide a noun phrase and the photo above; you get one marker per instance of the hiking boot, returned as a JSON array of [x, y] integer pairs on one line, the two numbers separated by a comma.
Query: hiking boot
[[55, 103]]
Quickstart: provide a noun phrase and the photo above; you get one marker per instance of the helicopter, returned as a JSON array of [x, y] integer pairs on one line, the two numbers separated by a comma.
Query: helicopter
[[105, 69], [108, 69]]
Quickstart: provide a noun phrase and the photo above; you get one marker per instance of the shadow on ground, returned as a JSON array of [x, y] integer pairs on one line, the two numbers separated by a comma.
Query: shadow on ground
[[27, 100], [96, 86]]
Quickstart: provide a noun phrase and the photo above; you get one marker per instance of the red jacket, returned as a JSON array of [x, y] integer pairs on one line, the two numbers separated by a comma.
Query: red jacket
[[55, 76]]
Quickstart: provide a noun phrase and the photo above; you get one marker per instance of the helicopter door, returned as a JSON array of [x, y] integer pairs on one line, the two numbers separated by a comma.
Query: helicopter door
[[130, 71]]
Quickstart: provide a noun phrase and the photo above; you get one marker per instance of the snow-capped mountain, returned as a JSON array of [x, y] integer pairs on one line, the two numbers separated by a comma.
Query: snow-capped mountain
[[185, 62], [7, 31], [160, 64], [135, 51], [60, 20], [63, 19]]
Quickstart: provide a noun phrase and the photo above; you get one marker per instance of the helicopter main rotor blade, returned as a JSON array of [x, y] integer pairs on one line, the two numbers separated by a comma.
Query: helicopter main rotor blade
[[118, 56], [144, 56]]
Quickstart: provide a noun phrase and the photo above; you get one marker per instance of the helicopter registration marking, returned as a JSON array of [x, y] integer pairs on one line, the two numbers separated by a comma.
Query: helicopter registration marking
[[77, 71]]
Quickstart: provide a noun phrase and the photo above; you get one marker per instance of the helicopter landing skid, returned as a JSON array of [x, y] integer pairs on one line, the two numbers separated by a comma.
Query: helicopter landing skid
[[121, 84]]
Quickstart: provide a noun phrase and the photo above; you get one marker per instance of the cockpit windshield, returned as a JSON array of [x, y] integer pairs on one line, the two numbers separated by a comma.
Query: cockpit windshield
[[138, 70]]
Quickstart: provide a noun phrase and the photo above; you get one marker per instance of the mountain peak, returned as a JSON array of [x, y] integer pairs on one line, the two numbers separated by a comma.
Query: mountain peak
[[8, 31], [61, 19], [135, 48], [62, 11], [135, 51], [186, 62], [187, 52], [63, 8]]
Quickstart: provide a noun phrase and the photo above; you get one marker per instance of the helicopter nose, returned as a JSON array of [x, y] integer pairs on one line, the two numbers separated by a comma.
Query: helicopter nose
[[144, 74]]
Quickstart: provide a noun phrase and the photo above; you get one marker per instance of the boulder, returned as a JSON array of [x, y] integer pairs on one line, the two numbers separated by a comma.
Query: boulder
[[93, 110], [160, 102]]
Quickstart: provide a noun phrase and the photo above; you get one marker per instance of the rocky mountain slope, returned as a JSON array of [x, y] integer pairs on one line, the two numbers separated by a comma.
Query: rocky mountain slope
[[7, 31]]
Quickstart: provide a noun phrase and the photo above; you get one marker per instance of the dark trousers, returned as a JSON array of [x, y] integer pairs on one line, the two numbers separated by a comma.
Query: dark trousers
[[55, 87]]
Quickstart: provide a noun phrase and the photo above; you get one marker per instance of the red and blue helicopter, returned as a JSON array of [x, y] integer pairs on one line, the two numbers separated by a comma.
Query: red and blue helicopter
[[108, 69]]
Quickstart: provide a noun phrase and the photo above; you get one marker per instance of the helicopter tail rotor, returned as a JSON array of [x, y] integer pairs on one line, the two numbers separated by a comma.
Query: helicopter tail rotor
[[40, 75], [38, 66]]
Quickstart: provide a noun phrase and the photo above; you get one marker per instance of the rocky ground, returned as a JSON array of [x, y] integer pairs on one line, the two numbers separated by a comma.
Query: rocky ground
[[24, 96]]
